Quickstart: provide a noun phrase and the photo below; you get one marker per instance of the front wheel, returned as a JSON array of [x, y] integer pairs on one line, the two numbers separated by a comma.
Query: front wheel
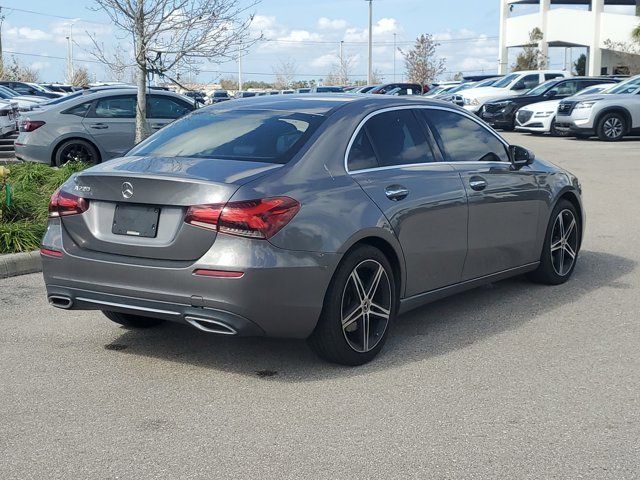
[[612, 127], [561, 246], [358, 310]]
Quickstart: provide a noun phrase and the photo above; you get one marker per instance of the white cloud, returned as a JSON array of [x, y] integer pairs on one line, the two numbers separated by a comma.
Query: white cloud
[[325, 23], [27, 34], [324, 61]]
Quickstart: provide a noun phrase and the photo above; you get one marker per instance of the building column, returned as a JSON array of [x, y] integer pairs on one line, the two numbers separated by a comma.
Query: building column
[[595, 52], [543, 45], [503, 53]]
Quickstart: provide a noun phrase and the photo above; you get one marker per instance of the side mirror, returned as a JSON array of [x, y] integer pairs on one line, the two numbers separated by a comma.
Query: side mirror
[[552, 93], [520, 156], [519, 86]]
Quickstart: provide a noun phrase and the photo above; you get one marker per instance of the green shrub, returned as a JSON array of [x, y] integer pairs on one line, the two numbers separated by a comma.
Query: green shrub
[[24, 222]]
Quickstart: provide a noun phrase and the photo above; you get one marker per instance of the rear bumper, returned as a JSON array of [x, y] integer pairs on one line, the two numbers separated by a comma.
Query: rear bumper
[[32, 153], [280, 294]]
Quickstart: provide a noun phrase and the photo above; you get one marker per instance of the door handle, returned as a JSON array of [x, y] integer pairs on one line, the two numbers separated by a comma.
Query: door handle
[[396, 192], [478, 183], [99, 126]]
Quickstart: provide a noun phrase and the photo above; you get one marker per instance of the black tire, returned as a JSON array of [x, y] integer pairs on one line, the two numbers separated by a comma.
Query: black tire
[[547, 273], [337, 345], [132, 321], [612, 127], [554, 131], [76, 149]]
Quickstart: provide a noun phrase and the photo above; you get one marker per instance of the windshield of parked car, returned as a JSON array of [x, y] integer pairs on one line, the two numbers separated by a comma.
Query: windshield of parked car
[[542, 88], [506, 81], [594, 89], [256, 136], [463, 86], [8, 92], [629, 86]]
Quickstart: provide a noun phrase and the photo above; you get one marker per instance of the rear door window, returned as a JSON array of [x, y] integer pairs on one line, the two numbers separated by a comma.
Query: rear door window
[[398, 139], [361, 155]]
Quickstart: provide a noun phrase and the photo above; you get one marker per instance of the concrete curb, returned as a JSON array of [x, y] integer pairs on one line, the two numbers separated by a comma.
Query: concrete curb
[[15, 264]]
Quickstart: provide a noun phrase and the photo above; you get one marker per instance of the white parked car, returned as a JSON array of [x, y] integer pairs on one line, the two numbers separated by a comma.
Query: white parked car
[[514, 84], [541, 117], [8, 117]]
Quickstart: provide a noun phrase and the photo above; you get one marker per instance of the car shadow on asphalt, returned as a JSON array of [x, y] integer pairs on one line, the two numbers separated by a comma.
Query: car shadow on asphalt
[[436, 329]]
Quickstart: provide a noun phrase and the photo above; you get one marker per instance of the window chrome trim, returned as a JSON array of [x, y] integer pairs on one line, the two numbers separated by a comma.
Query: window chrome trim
[[415, 107]]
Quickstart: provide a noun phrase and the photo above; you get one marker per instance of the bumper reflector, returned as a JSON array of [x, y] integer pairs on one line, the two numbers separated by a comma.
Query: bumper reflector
[[202, 272], [46, 252]]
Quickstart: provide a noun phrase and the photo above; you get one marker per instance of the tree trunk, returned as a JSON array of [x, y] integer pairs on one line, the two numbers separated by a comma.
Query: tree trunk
[[142, 126]]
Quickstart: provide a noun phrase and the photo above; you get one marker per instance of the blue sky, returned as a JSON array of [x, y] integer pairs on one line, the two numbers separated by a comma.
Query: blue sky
[[306, 32]]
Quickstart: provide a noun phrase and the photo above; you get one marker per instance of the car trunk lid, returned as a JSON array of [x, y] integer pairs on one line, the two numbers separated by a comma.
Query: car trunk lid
[[137, 205]]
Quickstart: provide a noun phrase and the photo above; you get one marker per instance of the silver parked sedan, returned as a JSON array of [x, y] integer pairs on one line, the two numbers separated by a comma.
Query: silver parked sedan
[[92, 127], [308, 216]]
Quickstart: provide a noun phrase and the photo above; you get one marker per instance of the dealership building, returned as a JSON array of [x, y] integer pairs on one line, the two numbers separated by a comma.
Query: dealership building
[[590, 24]]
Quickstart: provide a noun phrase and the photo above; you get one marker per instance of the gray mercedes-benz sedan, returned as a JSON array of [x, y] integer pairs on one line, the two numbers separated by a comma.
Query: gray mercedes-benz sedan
[[308, 216]]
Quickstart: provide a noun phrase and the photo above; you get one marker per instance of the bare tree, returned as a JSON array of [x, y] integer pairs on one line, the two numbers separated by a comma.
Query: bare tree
[[341, 71], [18, 72], [166, 34], [285, 73], [80, 77], [531, 57], [377, 76], [422, 62]]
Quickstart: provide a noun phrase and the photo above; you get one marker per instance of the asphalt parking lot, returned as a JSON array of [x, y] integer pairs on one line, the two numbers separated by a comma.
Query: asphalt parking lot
[[512, 380]]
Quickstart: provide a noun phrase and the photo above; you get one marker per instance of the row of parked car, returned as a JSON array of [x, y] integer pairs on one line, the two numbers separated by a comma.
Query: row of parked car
[[556, 103], [98, 123]]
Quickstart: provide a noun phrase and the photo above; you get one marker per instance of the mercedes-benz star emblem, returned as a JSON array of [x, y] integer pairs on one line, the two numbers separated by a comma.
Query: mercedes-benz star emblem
[[127, 190]]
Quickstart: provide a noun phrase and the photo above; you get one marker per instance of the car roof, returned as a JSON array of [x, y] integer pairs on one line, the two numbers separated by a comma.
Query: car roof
[[325, 104]]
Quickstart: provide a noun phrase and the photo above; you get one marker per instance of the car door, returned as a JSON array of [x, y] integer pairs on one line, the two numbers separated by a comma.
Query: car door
[[163, 109], [111, 122], [503, 202], [396, 163]]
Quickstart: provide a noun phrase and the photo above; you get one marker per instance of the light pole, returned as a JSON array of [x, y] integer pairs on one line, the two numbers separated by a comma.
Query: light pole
[[240, 67], [370, 75], [394, 56], [342, 75]]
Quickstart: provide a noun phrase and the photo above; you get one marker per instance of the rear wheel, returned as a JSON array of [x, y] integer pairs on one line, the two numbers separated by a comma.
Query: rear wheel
[[359, 307], [132, 321], [561, 246], [612, 127], [76, 150]]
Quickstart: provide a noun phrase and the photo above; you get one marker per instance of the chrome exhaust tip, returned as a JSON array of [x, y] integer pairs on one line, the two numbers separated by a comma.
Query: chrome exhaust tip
[[211, 326], [61, 302]]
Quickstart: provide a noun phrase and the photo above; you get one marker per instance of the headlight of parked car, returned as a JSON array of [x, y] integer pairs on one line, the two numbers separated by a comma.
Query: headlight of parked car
[[585, 105], [471, 101], [544, 114]]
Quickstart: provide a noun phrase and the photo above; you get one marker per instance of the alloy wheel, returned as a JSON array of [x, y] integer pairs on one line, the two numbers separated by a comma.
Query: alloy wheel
[[76, 153], [613, 127], [366, 306], [564, 242]]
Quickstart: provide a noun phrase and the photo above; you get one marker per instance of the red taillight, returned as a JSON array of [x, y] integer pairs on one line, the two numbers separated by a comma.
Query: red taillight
[[251, 218], [30, 125], [63, 203]]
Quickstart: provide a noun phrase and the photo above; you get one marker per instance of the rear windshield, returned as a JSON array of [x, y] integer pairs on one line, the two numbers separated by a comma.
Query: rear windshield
[[248, 135]]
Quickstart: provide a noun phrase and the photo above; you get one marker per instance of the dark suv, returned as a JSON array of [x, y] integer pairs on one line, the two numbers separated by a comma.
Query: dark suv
[[501, 113]]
